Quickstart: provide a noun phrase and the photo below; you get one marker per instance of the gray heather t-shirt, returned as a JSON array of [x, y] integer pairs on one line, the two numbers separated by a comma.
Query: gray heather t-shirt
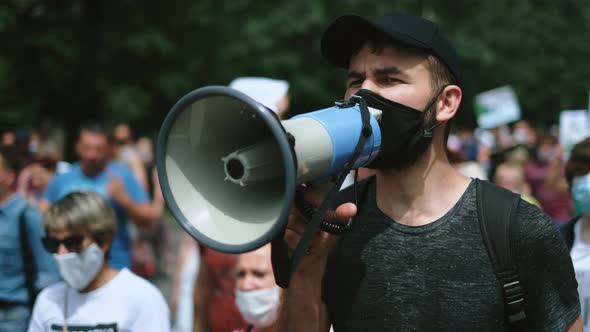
[[385, 276]]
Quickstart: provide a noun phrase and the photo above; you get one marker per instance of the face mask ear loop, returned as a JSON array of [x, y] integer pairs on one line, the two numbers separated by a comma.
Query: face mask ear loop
[[427, 132]]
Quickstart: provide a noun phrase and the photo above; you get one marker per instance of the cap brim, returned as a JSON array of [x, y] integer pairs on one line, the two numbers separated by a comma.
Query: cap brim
[[346, 34]]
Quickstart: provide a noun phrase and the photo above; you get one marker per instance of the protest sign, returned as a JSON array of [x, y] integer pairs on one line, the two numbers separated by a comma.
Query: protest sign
[[496, 107], [573, 127]]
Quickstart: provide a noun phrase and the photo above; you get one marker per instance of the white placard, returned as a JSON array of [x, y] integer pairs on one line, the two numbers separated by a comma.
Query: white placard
[[497, 107], [573, 127]]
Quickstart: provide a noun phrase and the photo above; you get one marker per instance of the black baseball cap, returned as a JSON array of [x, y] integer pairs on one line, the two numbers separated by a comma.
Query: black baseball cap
[[347, 33]]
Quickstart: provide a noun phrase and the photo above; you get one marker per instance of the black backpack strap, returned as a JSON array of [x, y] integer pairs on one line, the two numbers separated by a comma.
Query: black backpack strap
[[27, 255], [497, 216]]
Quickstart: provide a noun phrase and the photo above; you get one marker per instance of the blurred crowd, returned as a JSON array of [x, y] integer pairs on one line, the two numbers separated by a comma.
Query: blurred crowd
[[523, 158], [54, 210]]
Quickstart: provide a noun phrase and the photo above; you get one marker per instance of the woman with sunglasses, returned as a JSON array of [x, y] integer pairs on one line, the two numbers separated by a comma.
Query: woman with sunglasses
[[94, 296]]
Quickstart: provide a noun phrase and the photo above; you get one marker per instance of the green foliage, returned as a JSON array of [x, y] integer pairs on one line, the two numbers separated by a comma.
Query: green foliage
[[68, 61]]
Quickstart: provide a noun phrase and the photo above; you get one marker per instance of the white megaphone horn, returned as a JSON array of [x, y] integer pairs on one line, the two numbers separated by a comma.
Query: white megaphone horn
[[229, 168]]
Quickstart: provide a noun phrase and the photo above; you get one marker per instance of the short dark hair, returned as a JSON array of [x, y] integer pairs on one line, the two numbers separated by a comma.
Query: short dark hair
[[95, 127], [579, 161]]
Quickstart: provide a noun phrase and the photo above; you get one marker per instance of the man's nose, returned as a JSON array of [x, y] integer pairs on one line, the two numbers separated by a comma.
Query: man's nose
[[249, 283], [370, 85]]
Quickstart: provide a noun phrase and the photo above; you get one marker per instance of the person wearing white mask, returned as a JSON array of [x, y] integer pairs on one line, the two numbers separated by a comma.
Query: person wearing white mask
[[257, 294], [93, 296]]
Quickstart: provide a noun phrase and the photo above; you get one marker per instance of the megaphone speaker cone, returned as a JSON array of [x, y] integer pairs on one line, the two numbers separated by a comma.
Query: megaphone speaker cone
[[213, 139]]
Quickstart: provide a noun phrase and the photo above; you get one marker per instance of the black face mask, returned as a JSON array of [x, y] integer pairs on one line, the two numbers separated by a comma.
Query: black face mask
[[403, 136]]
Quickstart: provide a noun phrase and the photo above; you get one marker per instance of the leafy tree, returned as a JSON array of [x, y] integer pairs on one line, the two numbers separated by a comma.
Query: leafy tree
[[67, 61]]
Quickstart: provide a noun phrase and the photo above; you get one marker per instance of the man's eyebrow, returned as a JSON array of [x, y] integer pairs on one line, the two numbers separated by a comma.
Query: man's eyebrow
[[388, 71], [354, 74], [381, 71]]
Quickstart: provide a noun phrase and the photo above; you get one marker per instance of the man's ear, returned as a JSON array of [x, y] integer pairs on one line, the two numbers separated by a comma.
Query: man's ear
[[448, 103]]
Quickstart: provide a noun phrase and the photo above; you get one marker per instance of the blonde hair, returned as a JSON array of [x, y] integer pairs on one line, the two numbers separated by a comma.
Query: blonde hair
[[82, 212]]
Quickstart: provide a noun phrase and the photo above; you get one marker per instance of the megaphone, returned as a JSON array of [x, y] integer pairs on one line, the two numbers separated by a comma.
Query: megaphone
[[229, 168]]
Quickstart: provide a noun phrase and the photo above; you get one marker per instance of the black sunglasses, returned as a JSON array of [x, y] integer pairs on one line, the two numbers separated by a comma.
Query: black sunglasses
[[72, 243]]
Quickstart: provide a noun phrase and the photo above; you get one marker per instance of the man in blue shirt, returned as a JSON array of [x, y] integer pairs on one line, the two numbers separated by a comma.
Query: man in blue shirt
[[17, 286], [97, 172]]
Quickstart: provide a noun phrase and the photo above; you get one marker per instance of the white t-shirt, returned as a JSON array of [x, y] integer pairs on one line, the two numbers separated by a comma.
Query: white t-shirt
[[127, 303], [580, 254]]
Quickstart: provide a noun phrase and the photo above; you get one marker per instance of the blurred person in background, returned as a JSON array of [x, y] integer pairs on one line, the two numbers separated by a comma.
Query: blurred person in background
[[93, 296], [25, 267], [145, 151], [8, 138], [459, 160], [154, 241], [34, 142], [577, 231], [147, 242], [214, 304], [577, 172], [501, 142], [214, 301], [468, 144], [113, 180], [518, 155], [511, 177], [524, 134], [546, 175], [187, 266], [124, 150], [34, 178], [257, 294]]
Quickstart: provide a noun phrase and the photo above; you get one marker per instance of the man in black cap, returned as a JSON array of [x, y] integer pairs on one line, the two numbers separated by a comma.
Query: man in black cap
[[414, 258]]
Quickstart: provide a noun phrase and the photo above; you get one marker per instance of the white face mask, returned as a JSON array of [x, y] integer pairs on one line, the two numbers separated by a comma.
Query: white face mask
[[259, 307], [79, 269]]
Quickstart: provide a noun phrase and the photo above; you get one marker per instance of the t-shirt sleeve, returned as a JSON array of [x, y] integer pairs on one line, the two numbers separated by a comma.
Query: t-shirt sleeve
[[547, 272], [137, 193], [51, 193]]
